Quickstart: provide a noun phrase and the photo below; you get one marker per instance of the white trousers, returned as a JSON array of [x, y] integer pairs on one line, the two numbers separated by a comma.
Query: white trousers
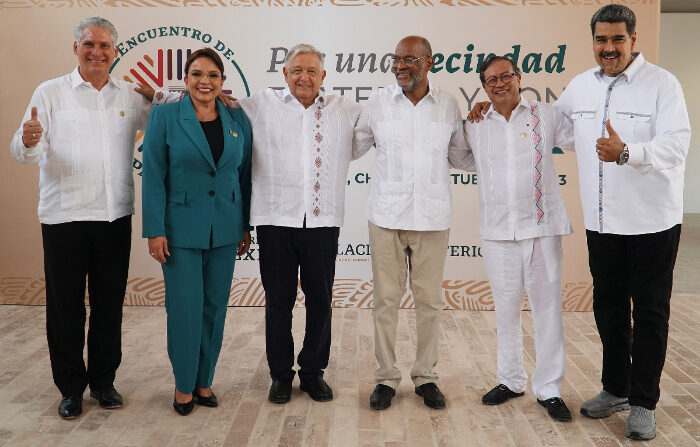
[[535, 266]]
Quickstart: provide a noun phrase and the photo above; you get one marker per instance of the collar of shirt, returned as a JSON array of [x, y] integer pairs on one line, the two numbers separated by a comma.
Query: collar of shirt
[[629, 72], [396, 92], [77, 80], [492, 113], [287, 96]]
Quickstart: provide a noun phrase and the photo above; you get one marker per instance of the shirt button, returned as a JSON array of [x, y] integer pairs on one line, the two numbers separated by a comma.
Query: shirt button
[[211, 193], [212, 173]]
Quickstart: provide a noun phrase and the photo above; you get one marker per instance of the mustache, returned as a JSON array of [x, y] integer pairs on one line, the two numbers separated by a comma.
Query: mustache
[[609, 54]]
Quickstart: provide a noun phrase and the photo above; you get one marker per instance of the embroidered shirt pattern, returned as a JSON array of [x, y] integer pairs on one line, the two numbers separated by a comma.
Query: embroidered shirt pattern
[[600, 162], [535, 118], [319, 157]]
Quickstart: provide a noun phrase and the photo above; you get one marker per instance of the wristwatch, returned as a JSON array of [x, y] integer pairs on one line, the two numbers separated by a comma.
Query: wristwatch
[[624, 156]]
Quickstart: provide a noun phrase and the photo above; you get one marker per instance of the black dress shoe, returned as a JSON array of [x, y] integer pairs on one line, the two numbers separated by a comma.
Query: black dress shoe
[[185, 408], [205, 401], [431, 394], [317, 388], [381, 397], [108, 398], [498, 395], [280, 391], [556, 408], [70, 407]]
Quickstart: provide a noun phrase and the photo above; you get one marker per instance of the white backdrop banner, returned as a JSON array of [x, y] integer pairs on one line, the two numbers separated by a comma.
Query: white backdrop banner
[[550, 40]]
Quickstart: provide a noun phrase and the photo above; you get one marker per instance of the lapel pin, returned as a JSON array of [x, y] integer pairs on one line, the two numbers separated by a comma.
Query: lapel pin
[[121, 113], [234, 134]]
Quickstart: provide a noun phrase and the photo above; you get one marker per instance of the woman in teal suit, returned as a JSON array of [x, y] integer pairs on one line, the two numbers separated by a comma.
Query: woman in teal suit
[[196, 202]]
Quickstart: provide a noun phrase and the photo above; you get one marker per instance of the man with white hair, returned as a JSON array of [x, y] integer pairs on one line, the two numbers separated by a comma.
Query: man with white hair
[[303, 141], [80, 128]]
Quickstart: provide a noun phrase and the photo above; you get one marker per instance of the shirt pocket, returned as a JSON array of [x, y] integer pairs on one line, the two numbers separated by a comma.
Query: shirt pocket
[[439, 141], [70, 124], [638, 125], [79, 191], [393, 199], [583, 114], [585, 125], [391, 141], [121, 120]]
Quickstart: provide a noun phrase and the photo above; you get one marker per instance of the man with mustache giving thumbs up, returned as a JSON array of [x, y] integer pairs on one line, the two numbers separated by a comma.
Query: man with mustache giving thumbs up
[[632, 136], [80, 129]]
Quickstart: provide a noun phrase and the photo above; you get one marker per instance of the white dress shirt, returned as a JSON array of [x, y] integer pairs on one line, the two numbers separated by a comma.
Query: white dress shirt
[[86, 151], [300, 158], [416, 145], [647, 110], [519, 195]]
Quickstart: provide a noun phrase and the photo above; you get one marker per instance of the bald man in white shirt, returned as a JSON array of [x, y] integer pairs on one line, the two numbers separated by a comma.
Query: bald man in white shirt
[[417, 129]]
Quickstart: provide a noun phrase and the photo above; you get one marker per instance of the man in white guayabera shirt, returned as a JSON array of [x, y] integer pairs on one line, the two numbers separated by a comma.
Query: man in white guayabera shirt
[[303, 141], [418, 132], [522, 220], [632, 136], [80, 128]]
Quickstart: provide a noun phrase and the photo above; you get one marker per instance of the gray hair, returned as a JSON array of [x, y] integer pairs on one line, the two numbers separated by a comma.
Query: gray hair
[[614, 14], [98, 22], [302, 48]]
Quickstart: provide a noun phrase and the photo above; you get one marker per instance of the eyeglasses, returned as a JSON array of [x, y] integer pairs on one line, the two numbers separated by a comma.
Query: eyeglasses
[[212, 76], [408, 60], [506, 78]]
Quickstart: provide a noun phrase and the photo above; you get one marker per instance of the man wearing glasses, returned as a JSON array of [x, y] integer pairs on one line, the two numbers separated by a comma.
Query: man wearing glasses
[[418, 133], [522, 219]]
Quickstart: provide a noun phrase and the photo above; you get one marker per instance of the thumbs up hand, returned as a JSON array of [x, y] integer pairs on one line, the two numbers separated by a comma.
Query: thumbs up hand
[[31, 130], [609, 149]]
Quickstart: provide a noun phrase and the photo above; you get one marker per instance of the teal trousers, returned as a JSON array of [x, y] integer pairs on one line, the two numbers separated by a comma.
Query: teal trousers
[[197, 286]]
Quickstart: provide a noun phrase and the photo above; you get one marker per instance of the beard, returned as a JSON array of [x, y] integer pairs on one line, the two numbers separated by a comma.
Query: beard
[[412, 81]]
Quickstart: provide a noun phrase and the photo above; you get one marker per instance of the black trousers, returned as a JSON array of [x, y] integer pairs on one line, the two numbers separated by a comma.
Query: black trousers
[[73, 250], [309, 253], [634, 338]]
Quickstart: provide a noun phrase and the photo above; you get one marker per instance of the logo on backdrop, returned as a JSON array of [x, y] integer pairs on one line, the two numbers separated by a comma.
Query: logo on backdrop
[[156, 57]]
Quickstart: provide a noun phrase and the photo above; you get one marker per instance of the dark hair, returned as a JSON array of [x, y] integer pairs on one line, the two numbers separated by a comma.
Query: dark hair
[[490, 60], [614, 14], [205, 52]]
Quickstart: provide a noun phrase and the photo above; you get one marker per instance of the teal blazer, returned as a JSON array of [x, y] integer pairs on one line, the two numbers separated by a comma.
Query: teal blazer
[[185, 196]]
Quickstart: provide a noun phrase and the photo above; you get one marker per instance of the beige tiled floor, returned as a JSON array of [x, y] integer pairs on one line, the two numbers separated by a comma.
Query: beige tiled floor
[[28, 398]]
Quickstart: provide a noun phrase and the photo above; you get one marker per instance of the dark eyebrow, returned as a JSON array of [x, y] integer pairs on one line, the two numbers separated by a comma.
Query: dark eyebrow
[[603, 36]]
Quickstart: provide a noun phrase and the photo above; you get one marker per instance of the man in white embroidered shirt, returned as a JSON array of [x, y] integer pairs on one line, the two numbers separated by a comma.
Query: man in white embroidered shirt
[[417, 128], [80, 128], [302, 145], [632, 136], [522, 220]]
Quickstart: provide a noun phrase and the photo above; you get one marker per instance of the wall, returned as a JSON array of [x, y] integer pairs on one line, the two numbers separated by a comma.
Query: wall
[[37, 45], [678, 53]]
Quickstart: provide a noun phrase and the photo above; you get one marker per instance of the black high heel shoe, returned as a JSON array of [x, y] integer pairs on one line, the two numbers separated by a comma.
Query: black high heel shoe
[[185, 408], [205, 401]]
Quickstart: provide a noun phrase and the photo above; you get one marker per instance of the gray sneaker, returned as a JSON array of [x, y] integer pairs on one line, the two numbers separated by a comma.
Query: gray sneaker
[[603, 405], [641, 424]]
